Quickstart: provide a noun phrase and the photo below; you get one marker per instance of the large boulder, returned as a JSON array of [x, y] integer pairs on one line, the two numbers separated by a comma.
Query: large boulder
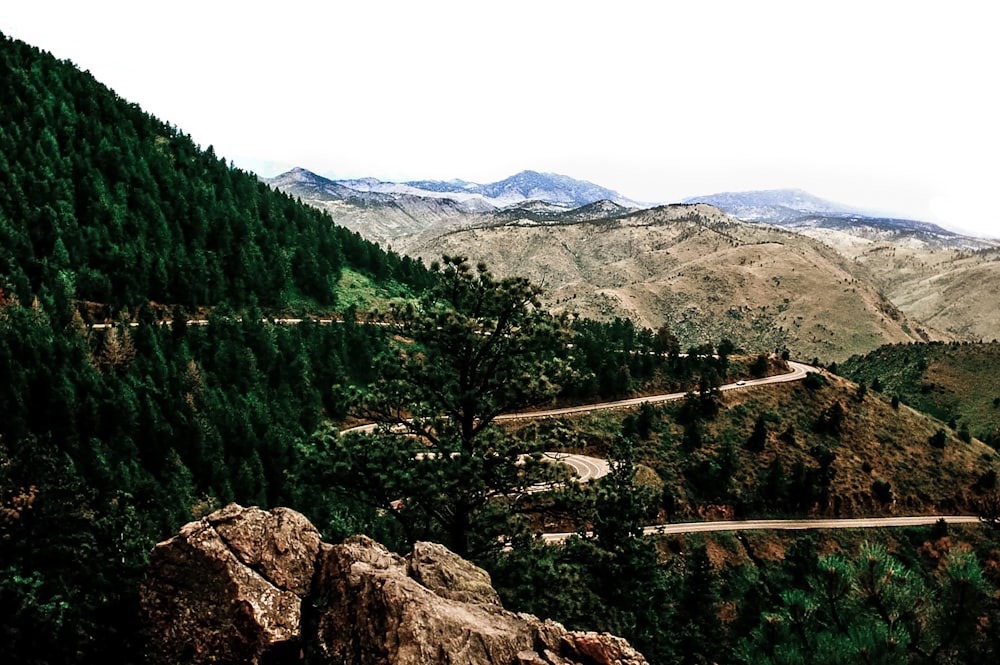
[[249, 586], [374, 607], [229, 588]]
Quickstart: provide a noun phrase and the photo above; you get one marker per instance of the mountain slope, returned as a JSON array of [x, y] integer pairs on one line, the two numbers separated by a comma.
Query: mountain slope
[[111, 438], [945, 280], [703, 274], [949, 381], [952, 290], [104, 203]]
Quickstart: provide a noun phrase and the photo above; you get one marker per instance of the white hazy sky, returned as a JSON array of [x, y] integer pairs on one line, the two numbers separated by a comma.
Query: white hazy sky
[[885, 105]]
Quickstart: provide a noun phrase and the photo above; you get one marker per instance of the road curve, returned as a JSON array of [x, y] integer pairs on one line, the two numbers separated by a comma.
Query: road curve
[[592, 468], [789, 525], [586, 468], [799, 371]]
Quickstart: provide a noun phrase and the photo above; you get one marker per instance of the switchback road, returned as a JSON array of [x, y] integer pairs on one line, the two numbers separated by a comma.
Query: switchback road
[[798, 373], [789, 525], [591, 468]]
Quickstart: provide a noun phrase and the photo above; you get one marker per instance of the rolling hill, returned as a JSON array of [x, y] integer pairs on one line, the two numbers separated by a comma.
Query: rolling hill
[[945, 280], [703, 274]]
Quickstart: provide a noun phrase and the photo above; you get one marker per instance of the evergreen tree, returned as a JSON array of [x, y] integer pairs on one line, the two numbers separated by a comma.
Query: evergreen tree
[[874, 609], [476, 347]]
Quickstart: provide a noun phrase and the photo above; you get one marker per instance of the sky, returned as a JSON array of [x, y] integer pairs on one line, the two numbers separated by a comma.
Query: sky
[[882, 105]]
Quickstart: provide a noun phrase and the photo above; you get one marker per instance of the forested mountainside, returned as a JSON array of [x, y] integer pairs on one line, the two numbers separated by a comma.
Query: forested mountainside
[[112, 438], [102, 202], [956, 383]]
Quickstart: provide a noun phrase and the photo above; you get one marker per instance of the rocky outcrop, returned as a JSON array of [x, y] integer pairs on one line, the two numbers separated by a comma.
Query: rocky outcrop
[[373, 608], [229, 588], [249, 586]]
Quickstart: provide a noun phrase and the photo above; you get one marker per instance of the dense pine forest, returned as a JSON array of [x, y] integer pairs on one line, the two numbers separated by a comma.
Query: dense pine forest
[[111, 439], [119, 422], [101, 202]]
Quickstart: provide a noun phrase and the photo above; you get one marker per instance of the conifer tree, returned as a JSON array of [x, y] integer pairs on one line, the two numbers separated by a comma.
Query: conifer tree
[[473, 348]]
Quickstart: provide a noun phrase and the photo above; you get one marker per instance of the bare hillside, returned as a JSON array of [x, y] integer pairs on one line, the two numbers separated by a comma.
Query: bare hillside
[[698, 271], [952, 290]]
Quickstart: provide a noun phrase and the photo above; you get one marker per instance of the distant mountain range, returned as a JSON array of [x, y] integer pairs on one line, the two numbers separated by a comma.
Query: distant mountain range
[[801, 211], [398, 213], [775, 206], [897, 280], [558, 190]]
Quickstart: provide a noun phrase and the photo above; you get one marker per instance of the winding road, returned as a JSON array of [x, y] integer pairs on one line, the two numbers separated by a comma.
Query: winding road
[[789, 525], [799, 371], [591, 468]]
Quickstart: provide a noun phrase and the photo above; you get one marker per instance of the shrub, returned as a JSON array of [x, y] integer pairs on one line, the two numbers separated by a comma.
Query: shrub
[[814, 381], [882, 490]]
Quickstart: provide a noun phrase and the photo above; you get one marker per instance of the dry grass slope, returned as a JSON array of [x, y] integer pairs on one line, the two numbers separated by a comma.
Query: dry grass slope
[[703, 274], [953, 291]]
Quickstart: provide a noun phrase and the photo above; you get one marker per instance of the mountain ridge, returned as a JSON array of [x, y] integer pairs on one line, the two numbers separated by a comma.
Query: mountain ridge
[[703, 273], [523, 186], [801, 211], [940, 279]]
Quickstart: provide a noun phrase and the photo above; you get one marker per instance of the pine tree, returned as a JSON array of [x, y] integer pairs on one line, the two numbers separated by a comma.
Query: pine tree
[[476, 347]]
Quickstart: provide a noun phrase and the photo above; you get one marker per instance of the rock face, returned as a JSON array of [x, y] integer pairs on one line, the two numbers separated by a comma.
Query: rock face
[[229, 588], [248, 586]]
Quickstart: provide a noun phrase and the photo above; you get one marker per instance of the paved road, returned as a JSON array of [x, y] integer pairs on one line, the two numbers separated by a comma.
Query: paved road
[[789, 525], [592, 468], [586, 468], [799, 371]]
